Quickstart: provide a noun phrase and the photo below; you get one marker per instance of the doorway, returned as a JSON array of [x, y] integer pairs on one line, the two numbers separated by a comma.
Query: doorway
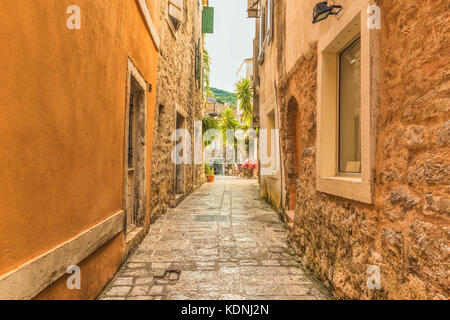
[[179, 171], [293, 156], [135, 151]]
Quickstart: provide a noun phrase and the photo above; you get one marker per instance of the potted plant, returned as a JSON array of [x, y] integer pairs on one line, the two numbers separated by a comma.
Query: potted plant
[[209, 173]]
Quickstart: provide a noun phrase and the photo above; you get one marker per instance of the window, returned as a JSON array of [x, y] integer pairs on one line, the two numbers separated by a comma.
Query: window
[[269, 17], [347, 99], [266, 26], [270, 127], [160, 116], [176, 13], [350, 108], [268, 14], [269, 147], [262, 22]]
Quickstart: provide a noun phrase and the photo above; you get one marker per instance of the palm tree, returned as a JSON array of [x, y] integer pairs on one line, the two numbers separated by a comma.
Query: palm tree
[[227, 121], [244, 96]]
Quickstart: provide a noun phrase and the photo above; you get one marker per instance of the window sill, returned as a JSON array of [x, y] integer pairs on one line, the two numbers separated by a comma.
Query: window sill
[[149, 22], [172, 28], [352, 188]]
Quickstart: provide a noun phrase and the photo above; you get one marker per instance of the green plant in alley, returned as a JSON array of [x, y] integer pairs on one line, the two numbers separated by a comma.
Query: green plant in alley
[[244, 97], [208, 170]]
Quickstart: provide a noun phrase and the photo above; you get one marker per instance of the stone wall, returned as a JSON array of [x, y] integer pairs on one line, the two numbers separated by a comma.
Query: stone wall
[[406, 231], [177, 90]]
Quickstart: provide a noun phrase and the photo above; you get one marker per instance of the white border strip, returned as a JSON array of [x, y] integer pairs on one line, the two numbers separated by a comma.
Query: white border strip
[[26, 281], [148, 19]]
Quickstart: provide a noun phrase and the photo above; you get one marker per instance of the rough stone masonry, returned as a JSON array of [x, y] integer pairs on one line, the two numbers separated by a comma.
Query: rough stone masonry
[[179, 95], [406, 231]]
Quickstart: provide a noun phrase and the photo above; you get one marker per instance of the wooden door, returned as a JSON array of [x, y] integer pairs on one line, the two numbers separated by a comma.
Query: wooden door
[[131, 164]]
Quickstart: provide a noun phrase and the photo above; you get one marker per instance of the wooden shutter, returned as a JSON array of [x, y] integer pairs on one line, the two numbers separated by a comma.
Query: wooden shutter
[[198, 62], [176, 9], [208, 20]]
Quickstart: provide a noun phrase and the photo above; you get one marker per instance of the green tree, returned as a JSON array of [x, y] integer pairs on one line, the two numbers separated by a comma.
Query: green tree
[[206, 75], [244, 97], [209, 123], [228, 121], [223, 96]]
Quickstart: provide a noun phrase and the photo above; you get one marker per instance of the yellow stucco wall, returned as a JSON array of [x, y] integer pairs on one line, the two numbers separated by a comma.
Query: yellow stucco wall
[[62, 118]]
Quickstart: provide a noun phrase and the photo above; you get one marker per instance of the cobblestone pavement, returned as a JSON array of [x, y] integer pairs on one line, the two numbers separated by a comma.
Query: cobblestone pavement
[[222, 242]]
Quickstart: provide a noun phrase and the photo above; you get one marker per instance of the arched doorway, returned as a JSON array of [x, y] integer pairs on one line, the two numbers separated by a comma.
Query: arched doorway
[[292, 147]]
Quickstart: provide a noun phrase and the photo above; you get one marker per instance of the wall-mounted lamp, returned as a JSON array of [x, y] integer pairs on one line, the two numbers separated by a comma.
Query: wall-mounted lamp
[[322, 10]]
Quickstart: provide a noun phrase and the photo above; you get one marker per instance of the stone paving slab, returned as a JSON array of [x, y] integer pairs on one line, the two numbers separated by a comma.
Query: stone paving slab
[[242, 257]]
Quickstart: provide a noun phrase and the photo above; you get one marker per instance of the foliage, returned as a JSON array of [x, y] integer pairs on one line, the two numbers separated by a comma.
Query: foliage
[[209, 123], [248, 167], [223, 97], [228, 121], [208, 170], [244, 96], [206, 74]]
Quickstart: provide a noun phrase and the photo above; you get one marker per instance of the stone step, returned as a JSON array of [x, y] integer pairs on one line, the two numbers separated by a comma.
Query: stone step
[[290, 219], [290, 215]]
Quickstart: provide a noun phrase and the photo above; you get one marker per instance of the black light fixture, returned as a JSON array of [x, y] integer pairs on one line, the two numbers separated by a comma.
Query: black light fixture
[[322, 10]]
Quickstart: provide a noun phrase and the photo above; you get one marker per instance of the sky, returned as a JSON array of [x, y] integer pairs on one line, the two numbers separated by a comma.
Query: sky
[[231, 42]]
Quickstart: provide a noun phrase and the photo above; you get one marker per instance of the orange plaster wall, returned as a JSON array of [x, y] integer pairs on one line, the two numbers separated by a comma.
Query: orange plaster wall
[[62, 119], [95, 271]]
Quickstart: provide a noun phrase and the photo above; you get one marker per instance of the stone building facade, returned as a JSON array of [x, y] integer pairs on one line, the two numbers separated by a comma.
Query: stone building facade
[[394, 215], [179, 104]]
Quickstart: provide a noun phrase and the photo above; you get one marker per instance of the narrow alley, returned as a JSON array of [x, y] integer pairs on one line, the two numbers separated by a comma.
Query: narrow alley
[[222, 242], [224, 150]]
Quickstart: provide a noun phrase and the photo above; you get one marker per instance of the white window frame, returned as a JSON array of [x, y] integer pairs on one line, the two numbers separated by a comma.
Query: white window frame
[[345, 29], [267, 34], [169, 21], [149, 22]]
